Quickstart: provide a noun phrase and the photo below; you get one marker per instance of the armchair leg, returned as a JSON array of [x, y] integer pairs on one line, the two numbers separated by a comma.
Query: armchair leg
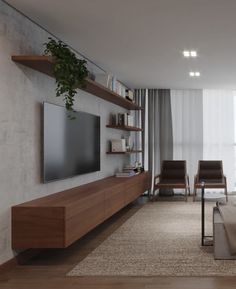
[[186, 194], [227, 197], [226, 191], [188, 186], [194, 193], [226, 194]]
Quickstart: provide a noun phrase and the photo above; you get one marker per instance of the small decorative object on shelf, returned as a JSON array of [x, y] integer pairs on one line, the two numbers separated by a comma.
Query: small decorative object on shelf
[[138, 167], [69, 71], [129, 94], [129, 144], [118, 145], [121, 145]]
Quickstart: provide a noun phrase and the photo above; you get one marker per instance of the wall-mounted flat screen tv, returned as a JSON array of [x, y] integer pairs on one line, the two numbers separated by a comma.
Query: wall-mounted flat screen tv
[[71, 146]]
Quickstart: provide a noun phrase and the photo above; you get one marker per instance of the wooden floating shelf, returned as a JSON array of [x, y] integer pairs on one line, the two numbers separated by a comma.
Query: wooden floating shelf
[[45, 64], [124, 127], [124, 153]]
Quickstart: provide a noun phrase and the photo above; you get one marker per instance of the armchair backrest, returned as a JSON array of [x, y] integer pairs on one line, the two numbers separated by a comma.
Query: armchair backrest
[[210, 171], [173, 170]]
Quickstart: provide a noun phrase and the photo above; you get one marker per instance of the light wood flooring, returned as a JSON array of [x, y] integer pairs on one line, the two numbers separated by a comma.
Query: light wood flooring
[[48, 270]]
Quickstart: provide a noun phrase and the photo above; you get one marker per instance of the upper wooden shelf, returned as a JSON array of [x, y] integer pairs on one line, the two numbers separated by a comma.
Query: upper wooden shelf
[[125, 127], [45, 64]]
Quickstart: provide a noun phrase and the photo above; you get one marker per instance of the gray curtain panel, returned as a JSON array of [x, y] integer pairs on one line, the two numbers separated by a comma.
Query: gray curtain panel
[[159, 137], [160, 141], [166, 132], [165, 123]]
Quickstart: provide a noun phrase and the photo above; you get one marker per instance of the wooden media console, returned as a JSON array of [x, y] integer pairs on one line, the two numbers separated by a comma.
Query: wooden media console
[[58, 220]]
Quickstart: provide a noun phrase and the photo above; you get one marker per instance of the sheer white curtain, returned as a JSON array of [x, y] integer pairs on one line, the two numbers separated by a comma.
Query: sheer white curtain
[[218, 130], [186, 107]]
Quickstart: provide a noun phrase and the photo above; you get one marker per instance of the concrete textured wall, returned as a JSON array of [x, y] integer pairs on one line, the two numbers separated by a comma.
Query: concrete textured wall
[[22, 92]]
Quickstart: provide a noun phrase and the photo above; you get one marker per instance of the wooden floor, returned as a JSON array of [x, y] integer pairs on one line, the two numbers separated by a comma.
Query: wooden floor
[[48, 270]]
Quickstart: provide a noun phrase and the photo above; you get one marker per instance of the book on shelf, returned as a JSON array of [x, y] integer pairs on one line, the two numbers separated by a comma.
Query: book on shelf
[[128, 169], [119, 88], [122, 119], [113, 119], [130, 120], [113, 84]]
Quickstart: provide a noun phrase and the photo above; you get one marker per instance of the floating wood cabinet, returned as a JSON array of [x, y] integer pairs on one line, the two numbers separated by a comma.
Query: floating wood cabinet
[[58, 220]]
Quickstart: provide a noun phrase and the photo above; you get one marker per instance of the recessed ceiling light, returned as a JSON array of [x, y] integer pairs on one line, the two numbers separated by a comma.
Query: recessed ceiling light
[[193, 53], [186, 53], [194, 74]]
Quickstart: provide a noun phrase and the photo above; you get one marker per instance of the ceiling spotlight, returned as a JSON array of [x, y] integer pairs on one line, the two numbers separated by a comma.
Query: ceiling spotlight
[[186, 53], [194, 74], [193, 53]]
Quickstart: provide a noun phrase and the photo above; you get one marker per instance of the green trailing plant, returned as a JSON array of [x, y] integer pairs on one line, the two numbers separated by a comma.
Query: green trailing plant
[[69, 71]]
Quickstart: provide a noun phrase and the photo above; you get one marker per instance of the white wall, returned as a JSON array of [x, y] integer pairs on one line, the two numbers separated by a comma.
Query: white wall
[[22, 92]]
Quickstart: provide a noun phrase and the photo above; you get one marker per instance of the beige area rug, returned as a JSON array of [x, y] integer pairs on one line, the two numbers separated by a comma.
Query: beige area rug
[[161, 239]]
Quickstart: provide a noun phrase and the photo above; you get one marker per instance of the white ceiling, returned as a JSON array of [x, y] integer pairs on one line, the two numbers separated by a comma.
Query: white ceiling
[[141, 40]]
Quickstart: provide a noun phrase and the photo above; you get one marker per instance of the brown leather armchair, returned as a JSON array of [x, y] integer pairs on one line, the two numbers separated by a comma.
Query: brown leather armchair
[[173, 176], [211, 173]]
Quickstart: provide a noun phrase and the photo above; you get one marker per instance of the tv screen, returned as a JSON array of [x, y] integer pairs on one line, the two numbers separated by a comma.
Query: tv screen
[[71, 146]]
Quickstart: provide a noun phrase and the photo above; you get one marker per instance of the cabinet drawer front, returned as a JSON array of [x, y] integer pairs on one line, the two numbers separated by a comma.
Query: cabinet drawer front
[[114, 201], [84, 221], [84, 204], [133, 192], [136, 188], [38, 227]]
